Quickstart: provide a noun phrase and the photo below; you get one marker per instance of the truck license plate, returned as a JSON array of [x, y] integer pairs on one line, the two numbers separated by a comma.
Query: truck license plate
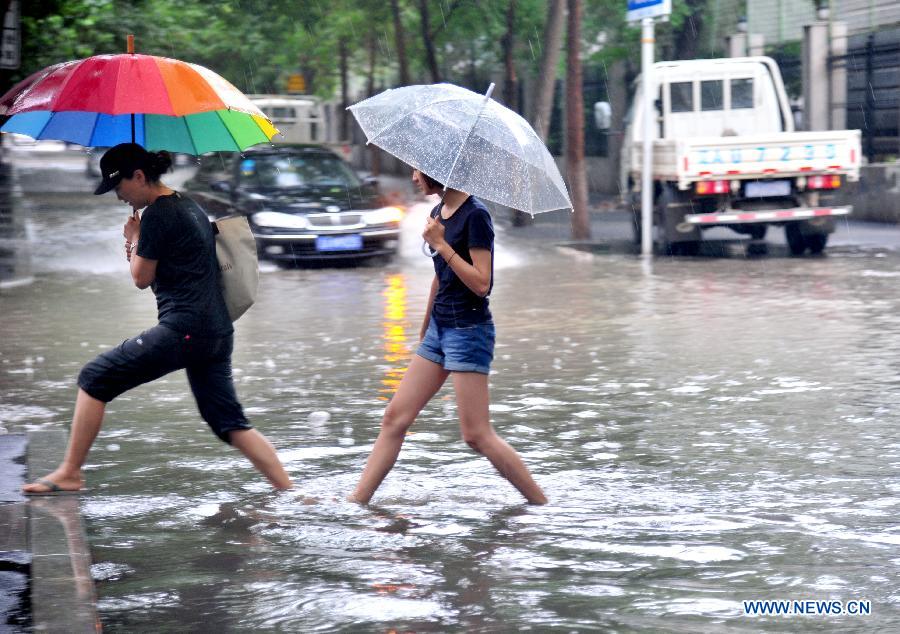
[[767, 189], [339, 243]]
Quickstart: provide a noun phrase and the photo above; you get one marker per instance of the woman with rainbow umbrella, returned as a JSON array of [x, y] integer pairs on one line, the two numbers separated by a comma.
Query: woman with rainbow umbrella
[[139, 103]]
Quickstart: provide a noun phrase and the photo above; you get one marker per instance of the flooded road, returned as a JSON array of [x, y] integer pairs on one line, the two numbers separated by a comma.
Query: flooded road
[[708, 430]]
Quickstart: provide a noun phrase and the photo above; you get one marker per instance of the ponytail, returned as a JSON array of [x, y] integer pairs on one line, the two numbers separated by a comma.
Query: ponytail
[[156, 164]]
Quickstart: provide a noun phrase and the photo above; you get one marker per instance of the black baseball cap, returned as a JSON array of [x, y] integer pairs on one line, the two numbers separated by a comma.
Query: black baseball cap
[[120, 162]]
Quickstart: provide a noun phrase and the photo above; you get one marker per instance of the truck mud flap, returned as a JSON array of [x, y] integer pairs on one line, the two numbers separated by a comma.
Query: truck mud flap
[[674, 223]]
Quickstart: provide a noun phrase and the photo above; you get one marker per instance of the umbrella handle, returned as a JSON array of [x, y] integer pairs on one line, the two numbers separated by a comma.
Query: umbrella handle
[[426, 249]]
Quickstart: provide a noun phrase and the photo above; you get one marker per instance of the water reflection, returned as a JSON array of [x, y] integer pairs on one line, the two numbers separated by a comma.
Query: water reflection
[[15, 256], [395, 326]]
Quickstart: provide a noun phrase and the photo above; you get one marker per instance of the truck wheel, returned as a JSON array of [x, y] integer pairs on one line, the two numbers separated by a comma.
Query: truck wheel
[[636, 225], [684, 248], [758, 232], [816, 242], [795, 239]]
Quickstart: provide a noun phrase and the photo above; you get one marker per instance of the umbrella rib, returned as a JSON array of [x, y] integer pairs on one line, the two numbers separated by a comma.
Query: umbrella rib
[[230, 133], [93, 130], [525, 165], [191, 136], [43, 127], [487, 99]]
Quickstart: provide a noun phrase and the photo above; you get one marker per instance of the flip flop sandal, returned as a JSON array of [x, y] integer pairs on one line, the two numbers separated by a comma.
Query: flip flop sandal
[[52, 489]]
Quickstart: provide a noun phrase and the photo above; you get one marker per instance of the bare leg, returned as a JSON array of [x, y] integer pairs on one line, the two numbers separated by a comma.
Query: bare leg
[[262, 454], [86, 423], [472, 403], [421, 381]]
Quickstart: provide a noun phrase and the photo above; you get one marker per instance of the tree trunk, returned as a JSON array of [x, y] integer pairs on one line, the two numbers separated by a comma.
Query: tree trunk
[[508, 43], [400, 39], [546, 86], [581, 226], [375, 153], [428, 41], [345, 91]]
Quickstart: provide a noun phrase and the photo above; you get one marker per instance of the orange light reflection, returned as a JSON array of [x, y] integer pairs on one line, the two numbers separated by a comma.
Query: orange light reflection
[[394, 325]]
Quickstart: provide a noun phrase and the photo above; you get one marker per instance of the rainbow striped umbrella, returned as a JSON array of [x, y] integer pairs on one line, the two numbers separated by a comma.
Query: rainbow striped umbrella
[[160, 103]]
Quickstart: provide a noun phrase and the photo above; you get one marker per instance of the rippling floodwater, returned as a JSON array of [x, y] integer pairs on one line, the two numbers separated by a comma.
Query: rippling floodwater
[[708, 432]]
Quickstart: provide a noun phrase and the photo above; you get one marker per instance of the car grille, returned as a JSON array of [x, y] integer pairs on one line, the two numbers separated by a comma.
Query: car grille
[[334, 219]]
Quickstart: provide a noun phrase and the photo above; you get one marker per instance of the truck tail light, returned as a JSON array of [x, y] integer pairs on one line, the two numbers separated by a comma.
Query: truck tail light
[[829, 181], [712, 187]]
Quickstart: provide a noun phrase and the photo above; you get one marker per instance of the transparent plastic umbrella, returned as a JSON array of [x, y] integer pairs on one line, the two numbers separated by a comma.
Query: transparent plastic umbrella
[[467, 142]]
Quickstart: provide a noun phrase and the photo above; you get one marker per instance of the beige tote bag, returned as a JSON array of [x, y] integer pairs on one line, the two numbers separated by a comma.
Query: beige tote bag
[[239, 267]]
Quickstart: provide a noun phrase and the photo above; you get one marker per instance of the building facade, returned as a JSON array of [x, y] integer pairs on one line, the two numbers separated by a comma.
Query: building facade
[[783, 20]]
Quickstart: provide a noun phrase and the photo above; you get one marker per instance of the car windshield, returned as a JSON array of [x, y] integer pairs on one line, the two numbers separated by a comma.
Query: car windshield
[[296, 171]]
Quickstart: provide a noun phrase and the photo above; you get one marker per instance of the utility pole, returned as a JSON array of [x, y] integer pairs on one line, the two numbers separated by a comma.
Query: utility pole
[[581, 224], [646, 11]]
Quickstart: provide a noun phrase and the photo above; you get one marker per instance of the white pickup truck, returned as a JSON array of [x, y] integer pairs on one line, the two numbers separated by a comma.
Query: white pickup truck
[[725, 153]]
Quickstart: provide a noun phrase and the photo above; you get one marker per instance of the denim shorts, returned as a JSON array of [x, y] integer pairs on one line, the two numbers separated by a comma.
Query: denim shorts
[[467, 349], [161, 350]]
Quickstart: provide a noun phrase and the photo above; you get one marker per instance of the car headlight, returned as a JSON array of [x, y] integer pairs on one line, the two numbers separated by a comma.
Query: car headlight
[[280, 220], [382, 216]]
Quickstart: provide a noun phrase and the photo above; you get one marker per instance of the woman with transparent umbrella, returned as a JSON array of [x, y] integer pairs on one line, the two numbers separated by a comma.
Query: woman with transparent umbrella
[[457, 340]]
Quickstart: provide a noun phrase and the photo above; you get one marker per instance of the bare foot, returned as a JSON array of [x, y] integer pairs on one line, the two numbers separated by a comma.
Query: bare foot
[[63, 481]]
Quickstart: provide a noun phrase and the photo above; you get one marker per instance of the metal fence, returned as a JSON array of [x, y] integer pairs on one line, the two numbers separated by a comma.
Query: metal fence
[[594, 88], [873, 90]]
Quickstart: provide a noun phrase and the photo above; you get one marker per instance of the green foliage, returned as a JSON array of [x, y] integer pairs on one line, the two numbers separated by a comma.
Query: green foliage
[[256, 44]]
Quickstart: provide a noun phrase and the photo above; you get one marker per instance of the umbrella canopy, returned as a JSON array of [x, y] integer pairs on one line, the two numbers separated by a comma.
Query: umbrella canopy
[[160, 103], [467, 142]]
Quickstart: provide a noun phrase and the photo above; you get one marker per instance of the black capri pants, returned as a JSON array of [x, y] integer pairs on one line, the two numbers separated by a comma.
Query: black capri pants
[[161, 350]]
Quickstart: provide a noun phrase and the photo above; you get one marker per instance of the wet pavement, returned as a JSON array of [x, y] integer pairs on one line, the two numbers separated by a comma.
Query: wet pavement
[[709, 430]]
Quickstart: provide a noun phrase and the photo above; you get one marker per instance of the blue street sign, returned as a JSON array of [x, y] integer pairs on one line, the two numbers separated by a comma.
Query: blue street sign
[[640, 9]]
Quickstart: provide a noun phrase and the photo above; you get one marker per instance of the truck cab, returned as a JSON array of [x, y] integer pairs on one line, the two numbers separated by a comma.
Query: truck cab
[[716, 97]]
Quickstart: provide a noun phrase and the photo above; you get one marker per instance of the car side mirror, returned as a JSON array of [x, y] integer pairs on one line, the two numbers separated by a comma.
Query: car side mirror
[[223, 187], [602, 115], [372, 181]]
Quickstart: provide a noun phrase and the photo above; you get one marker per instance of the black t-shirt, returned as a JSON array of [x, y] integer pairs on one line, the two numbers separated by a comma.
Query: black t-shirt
[[177, 234], [455, 305]]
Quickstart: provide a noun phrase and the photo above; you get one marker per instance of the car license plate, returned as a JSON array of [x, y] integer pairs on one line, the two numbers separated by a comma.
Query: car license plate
[[767, 189], [339, 243]]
